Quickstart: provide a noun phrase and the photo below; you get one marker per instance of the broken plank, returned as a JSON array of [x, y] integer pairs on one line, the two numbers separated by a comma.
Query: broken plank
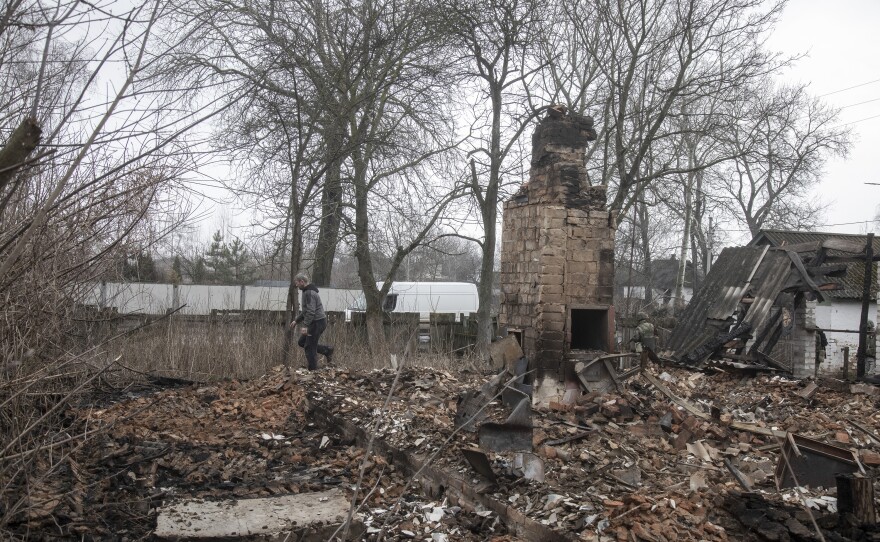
[[808, 391], [738, 475], [752, 428], [676, 399], [566, 440], [864, 429], [804, 275]]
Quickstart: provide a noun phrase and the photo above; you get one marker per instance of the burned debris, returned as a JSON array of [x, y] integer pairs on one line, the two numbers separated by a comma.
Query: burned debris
[[565, 441], [668, 454]]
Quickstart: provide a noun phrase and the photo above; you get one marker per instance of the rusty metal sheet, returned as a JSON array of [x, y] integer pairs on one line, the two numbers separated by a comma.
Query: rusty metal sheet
[[514, 435], [522, 414], [814, 463], [774, 273], [468, 413], [512, 395], [480, 463]]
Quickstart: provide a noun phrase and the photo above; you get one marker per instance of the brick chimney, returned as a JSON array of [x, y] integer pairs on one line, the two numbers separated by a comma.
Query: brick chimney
[[557, 254]]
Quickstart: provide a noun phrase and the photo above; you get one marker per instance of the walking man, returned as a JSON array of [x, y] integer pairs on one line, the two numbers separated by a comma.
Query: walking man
[[313, 320]]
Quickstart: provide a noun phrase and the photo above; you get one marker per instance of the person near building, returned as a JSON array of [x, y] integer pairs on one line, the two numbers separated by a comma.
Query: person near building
[[644, 339], [821, 343], [313, 322]]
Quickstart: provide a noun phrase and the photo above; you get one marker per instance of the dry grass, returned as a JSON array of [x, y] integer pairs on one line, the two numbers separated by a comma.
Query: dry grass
[[203, 351]]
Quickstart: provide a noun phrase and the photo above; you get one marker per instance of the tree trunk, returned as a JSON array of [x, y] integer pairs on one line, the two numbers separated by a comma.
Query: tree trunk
[[484, 293], [489, 211], [331, 211], [375, 331], [292, 292], [680, 275], [646, 254]]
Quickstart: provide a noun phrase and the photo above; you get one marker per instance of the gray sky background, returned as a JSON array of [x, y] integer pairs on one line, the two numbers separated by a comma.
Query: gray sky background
[[842, 43]]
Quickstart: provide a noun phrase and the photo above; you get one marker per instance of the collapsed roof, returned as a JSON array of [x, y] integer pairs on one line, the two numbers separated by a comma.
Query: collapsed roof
[[748, 300]]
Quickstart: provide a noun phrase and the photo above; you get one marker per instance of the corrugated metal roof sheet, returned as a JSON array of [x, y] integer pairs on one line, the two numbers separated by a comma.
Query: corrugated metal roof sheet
[[717, 299], [852, 283], [772, 275]]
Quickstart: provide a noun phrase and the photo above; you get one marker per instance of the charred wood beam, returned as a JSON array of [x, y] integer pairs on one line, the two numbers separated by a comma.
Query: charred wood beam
[[772, 362], [841, 245], [835, 270], [773, 338], [805, 276], [796, 284], [855, 498], [809, 246], [852, 259]]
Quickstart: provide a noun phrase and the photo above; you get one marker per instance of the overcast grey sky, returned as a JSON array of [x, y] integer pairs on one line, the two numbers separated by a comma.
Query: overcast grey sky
[[842, 41]]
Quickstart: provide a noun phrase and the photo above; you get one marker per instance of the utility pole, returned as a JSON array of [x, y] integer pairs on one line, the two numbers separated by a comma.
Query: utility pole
[[710, 242], [866, 300]]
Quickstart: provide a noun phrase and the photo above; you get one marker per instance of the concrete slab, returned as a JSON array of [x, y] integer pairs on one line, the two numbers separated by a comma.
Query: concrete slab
[[309, 516]]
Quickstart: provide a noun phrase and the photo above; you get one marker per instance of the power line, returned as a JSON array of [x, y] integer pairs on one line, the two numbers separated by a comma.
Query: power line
[[858, 121], [860, 103], [848, 88], [866, 222]]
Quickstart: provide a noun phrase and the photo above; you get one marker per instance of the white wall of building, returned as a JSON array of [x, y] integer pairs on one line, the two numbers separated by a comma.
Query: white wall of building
[[841, 314]]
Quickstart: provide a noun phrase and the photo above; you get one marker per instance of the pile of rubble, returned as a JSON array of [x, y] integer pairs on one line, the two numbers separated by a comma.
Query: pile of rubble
[[668, 455], [226, 442], [661, 454]]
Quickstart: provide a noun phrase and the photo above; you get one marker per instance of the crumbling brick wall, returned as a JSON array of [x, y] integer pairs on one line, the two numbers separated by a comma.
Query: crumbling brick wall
[[557, 244]]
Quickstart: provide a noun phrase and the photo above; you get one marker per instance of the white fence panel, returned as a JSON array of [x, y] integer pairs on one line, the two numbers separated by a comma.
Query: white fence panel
[[337, 299], [137, 298], [147, 298], [265, 298], [202, 299]]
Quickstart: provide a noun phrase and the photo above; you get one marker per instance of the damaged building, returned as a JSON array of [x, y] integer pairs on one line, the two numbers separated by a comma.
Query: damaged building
[[557, 254], [756, 309], [838, 315]]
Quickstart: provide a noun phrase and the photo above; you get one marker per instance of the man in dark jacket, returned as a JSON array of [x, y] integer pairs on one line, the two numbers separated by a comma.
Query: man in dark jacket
[[313, 320]]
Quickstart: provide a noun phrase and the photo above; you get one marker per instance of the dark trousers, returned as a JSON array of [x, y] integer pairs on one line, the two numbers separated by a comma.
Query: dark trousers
[[310, 343]]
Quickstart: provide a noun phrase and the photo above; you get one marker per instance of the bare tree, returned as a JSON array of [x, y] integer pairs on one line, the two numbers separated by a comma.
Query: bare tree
[[87, 177], [638, 65], [368, 78], [497, 41], [781, 142]]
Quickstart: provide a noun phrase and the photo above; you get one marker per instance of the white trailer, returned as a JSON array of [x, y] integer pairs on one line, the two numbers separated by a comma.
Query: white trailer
[[425, 298]]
